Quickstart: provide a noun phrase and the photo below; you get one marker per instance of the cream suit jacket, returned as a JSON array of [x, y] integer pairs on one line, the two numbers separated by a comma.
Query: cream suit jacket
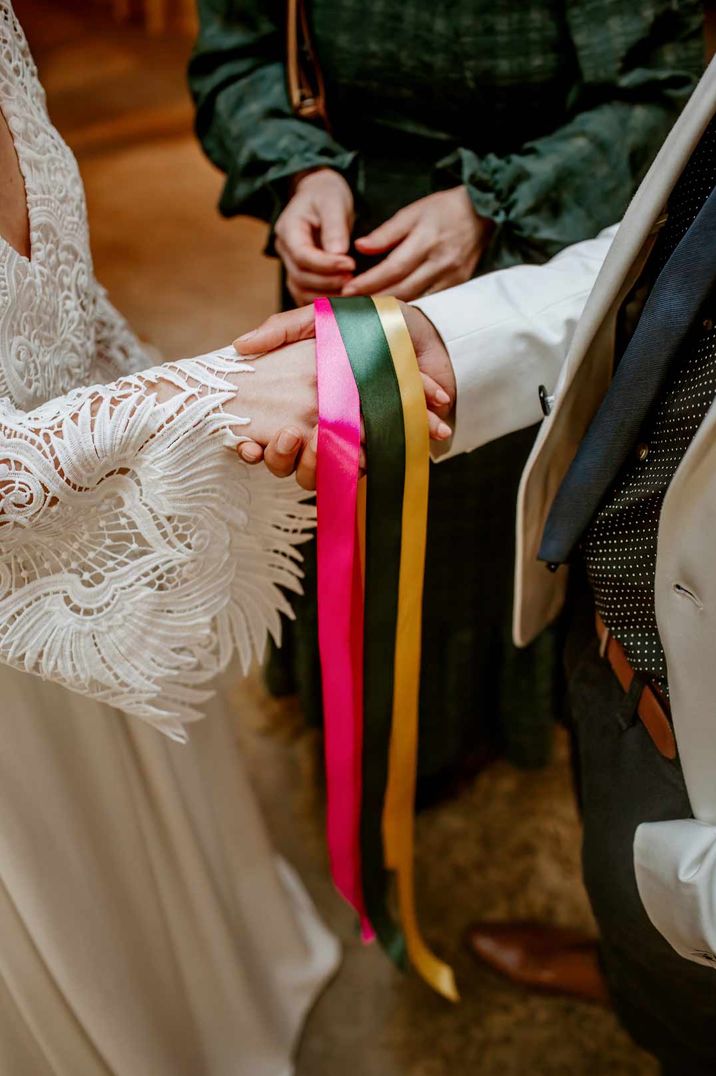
[[675, 861]]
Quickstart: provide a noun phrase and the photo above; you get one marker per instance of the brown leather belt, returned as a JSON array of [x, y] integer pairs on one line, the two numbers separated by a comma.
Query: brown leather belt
[[653, 708]]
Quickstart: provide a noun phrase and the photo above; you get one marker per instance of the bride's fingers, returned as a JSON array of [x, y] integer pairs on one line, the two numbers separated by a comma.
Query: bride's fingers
[[306, 470], [281, 452], [278, 330], [250, 452]]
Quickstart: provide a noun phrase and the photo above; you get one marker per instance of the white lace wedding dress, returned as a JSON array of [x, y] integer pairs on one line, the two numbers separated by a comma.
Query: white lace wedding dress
[[146, 928]]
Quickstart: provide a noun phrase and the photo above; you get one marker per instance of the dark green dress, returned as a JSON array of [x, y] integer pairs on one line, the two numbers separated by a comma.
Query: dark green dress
[[549, 112]]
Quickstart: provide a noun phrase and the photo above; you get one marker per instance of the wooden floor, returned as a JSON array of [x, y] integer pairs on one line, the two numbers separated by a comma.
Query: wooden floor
[[509, 846]]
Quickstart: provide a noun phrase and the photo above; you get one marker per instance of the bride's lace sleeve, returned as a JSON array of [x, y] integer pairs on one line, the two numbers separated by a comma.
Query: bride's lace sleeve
[[136, 552]]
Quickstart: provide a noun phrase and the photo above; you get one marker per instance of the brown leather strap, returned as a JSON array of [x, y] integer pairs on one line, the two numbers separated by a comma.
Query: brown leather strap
[[653, 709], [306, 89]]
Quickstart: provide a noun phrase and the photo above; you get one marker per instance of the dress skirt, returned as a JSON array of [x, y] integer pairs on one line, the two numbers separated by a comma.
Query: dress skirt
[[146, 926]]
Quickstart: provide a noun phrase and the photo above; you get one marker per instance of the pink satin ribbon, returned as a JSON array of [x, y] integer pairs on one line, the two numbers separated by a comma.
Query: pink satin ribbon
[[340, 603]]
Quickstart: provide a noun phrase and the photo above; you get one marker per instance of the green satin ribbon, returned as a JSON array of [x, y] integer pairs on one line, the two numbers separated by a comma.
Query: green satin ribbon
[[372, 365]]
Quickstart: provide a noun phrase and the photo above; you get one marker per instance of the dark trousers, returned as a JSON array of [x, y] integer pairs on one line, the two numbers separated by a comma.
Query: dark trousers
[[666, 1003]]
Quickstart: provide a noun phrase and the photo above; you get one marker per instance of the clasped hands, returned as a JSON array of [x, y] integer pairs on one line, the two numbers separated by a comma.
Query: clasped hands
[[282, 397], [430, 244]]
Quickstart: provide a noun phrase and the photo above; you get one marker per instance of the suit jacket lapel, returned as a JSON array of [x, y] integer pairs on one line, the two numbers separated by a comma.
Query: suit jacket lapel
[[587, 371]]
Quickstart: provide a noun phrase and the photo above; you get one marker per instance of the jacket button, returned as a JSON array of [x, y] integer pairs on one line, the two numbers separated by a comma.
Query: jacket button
[[708, 324]]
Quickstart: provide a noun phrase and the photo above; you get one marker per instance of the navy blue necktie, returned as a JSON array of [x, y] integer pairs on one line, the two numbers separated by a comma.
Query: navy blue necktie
[[669, 313]]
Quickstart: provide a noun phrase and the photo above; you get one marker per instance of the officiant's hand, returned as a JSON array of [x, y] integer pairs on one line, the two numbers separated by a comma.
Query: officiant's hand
[[286, 451], [431, 244], [313, 235]]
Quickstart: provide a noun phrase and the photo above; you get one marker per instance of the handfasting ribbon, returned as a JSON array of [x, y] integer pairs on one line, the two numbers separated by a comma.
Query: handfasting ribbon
[[371, 557], [399, 810], [375, 377], [340, 598]]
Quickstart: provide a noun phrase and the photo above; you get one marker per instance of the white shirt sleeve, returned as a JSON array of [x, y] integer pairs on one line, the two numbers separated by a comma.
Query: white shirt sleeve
[[509, 332]]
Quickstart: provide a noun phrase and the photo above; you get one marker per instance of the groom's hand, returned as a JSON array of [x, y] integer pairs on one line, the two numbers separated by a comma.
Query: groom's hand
[[283, 455]]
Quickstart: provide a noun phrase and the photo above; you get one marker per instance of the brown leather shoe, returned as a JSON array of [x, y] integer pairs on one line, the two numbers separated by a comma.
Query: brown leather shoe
[[546, 958]]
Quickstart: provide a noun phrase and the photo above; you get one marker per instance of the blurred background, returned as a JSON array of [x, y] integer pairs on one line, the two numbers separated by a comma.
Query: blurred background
[[114, 71], [114, 75]]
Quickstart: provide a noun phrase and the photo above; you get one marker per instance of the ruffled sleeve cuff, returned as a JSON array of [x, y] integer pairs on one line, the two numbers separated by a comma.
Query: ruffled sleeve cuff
[[482, 177]]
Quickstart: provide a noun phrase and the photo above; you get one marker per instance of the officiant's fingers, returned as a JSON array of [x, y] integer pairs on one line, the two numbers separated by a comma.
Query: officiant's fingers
[[309, 269], [328, 282], [387, 276], [306, 470], [279, 329], [436, 397], [297, 239], [281, 452]]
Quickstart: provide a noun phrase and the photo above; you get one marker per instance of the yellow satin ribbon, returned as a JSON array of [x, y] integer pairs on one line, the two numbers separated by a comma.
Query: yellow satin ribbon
[[399, 808]]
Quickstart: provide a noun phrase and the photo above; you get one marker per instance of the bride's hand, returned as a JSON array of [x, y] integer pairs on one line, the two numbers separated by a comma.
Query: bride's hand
[[280, 395]]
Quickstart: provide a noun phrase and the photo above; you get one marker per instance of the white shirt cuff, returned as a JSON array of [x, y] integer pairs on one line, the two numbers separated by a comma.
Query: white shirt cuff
[[507, 333], [675, 866]]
